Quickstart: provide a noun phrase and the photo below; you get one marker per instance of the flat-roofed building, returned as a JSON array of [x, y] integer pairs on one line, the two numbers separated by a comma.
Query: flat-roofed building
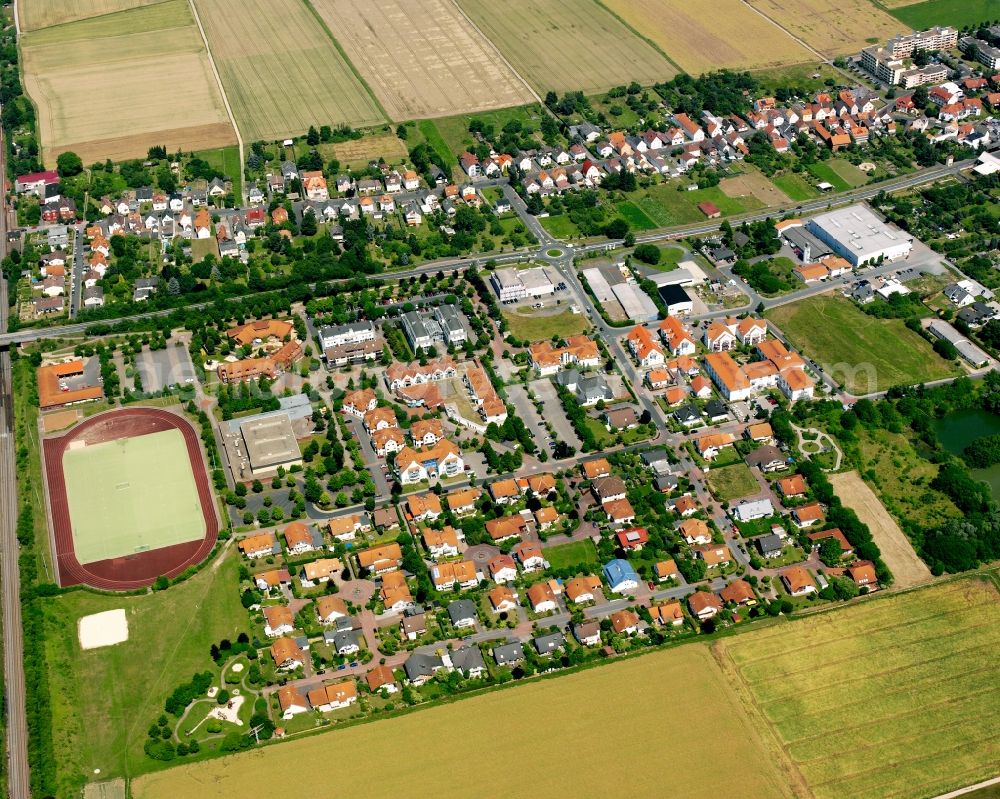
[[858, 235], [270, 443]]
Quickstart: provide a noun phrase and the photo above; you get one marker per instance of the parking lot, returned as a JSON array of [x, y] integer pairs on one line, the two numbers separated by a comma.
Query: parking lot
[[546, 392], [161, 368]]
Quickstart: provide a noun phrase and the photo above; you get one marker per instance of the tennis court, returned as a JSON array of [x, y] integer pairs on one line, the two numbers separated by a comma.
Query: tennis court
[[131, 495]]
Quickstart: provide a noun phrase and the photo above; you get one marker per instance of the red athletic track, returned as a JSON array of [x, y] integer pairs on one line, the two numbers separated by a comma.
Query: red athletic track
[[141, 569]]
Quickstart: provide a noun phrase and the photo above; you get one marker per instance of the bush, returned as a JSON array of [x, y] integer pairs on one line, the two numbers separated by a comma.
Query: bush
[[647, 253]]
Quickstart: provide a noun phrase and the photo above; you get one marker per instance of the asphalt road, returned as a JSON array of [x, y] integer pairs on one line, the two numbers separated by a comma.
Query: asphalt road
[[10, 577]]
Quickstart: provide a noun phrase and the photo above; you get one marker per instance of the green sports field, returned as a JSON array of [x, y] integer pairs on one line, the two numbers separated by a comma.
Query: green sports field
[[131, 495]]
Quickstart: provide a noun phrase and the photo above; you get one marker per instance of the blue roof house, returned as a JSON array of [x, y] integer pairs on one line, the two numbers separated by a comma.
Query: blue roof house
[[621, 576]]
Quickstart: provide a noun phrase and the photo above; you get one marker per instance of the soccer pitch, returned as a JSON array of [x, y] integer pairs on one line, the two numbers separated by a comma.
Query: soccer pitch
[[131, 495]]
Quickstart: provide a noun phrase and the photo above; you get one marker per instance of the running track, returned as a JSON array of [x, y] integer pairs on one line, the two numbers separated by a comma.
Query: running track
[[141, 569]]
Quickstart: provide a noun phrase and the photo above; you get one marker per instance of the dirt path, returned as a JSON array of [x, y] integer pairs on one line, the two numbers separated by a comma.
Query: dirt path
[[897, 552]]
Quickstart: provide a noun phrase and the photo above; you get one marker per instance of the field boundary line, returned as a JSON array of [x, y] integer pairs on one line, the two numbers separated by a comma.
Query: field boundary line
[[343, 54], [225, 98], [500, 55], [87, 19], [646, 39], [770, 737]]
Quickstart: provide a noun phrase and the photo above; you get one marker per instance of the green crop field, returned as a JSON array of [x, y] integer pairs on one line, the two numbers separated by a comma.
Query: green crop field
[[281, 69], [635, 216], [896, 698], [557, 45], [796, 186], [560, 226], [958, 13], [103, 700], [863, 353], [732, 482], [575, 553], [146, 497], [673, 701], [540, 326]]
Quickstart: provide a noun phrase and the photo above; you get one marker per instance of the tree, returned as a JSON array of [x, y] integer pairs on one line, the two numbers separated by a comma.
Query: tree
[[647, 253], [312, 137], [69, 164], [829, 551]]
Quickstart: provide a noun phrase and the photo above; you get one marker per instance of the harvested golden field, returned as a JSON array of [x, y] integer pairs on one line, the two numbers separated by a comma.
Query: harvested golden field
[[358, 152], [561, 736], [281, 69], [733, 35], [112, 86], [894, 697], [906, 566], [557, 45], [753, 183], [35, 14], [423, 58], [834, 27]]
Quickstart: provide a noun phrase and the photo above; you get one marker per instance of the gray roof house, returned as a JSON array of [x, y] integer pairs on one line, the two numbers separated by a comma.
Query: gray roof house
[[591, 389], [549, 643], [770, 545], [469, 660], [420, 668], [346, 642], [509, 653], [462, 613]]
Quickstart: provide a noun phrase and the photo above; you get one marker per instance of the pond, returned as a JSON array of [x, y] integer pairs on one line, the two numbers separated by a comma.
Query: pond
[[959, 429]]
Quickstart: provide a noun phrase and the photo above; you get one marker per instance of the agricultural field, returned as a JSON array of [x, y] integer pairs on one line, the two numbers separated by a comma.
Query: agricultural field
[[625, 701], [752, 183], [832, 28], [422, 58], [894, 697], [897, 551], [103, 700], [664, 206], [555, 45], [922, 15], [732, 482], [733, 35], [125, 54], [358, 153], [281, 69], [36, 14], [863, 353], [527, 324]]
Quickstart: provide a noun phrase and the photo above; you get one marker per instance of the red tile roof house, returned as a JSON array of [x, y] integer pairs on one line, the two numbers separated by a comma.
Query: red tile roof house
[[704, 605], [797, 581]]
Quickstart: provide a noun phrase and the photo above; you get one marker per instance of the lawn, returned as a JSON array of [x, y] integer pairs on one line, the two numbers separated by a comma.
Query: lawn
[[227, 161], [843, 175], [200, 248], [575, 553], [105, 699], [540, 326], [625, 700], [147, 497], [670, 257], [454, 130], [862, 353], [798, 76], [796, 186], [428, 128], [560, 226], [957, 13], [732, 482], [916, 710]]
